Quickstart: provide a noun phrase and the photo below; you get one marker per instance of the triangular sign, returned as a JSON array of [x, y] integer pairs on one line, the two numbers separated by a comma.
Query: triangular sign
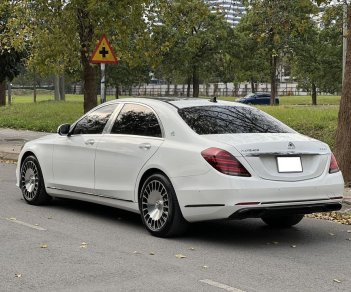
[[103, 53]]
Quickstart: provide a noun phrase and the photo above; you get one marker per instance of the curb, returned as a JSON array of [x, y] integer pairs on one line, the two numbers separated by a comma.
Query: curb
[[9, 156]]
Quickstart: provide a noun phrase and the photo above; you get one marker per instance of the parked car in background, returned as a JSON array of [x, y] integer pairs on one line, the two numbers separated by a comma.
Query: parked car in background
[[258, 98]]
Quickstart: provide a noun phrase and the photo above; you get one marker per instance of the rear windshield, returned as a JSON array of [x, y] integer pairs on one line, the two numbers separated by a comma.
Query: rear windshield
[[230, 120]]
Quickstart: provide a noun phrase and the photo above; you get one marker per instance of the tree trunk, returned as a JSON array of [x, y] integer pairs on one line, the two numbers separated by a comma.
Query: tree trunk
[[57, 87], [117, 91], [273, 79], [236, 89], [9, 93], [314, 94], [215, 89], [62, 88], [86, 33], [253, 90], [34, 88], [343, 131], [3, 93], [196, 82], [188, 88], [168, 88], [208, 86]]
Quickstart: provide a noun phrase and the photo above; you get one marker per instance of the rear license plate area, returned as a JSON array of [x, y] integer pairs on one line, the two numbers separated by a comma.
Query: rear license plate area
[[291, 164]]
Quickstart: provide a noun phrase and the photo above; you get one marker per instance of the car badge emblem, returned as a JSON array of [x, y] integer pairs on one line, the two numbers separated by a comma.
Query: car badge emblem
[[291, 145]]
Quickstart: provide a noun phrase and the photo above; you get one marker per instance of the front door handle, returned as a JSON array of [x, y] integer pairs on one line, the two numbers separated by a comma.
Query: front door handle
[[145, 146], [89, 142]]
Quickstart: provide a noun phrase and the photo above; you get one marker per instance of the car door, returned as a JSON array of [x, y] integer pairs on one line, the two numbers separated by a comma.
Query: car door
[[134, 137], [74, 155]]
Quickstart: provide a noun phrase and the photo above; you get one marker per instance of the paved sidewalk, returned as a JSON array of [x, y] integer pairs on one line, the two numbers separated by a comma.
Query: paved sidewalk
[[11, 142]]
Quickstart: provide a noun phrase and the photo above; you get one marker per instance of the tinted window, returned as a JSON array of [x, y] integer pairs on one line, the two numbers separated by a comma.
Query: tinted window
[[263, 96], [136, 119], [94, 122], [230, 119]]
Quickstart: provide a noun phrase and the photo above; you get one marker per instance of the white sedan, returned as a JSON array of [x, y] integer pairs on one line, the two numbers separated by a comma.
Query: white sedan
[[176, 161]]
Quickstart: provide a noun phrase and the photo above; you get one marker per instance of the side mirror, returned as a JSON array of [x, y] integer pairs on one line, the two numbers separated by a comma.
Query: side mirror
[[63, 130]]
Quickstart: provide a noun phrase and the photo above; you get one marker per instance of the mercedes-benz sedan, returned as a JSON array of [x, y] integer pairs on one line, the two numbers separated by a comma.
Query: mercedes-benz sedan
[[183, 160]]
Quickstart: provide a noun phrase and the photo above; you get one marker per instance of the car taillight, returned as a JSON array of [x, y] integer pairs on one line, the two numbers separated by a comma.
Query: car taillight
[[224, 162], [333, 167]]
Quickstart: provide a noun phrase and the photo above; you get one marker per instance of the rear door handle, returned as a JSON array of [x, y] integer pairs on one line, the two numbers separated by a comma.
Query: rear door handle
[[145, 146], [89, 142]]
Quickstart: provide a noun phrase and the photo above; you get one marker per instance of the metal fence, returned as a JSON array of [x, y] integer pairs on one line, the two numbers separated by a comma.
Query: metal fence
[[206, 90], [213, 89]]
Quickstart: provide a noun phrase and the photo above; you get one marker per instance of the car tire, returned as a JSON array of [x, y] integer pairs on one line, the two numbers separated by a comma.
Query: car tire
[[159, 207], [32, 182], [284, 221]]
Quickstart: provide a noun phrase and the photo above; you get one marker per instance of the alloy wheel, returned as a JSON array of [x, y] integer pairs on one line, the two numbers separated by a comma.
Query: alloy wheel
[[155, 205], [29, 180]]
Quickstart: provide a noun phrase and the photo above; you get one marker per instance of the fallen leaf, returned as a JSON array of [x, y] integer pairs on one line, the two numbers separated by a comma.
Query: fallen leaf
[[205, 267], [84, 243], [44, 246], [293, 246], [83, 246], [18, 275], [337, 281], [191, 248], [151, 253], [180, 256], [332, 234]]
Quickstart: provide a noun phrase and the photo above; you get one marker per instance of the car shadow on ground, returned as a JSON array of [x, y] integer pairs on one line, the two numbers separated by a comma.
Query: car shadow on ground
[[96, 210], [247, 233]]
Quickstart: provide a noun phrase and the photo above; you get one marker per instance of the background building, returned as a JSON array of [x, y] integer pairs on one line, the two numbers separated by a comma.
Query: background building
[[232, 10]]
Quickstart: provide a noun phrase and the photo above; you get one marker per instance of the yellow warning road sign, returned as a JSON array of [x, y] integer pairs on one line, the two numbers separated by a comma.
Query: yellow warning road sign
[[103, 53]]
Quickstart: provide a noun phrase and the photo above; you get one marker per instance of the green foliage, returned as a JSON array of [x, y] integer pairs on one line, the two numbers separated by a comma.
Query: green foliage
[[273, 27], [253, 59], [318, 56], [190, 40], [10, 58], [125, 75]]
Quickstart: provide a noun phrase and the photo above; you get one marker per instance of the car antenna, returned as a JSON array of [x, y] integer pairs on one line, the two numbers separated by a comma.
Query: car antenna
[[213, 99]]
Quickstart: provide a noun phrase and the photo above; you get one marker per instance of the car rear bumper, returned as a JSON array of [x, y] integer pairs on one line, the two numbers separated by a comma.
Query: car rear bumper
[[259, 212], [206, 197]]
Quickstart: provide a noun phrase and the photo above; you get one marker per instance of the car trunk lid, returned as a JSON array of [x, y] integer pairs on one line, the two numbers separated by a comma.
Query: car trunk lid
[[266, 153]]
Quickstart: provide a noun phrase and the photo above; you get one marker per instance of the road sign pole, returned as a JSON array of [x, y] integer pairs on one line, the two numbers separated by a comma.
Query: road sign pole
[[103, 80]]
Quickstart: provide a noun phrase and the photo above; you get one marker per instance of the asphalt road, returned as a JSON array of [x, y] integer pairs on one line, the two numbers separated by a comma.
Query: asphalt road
[[86, 247]]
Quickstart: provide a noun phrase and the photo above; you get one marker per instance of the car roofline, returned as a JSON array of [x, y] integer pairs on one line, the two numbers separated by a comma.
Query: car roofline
[[171, 99]]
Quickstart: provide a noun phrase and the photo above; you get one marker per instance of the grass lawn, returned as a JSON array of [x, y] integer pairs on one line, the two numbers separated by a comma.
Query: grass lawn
[[318, 122]]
